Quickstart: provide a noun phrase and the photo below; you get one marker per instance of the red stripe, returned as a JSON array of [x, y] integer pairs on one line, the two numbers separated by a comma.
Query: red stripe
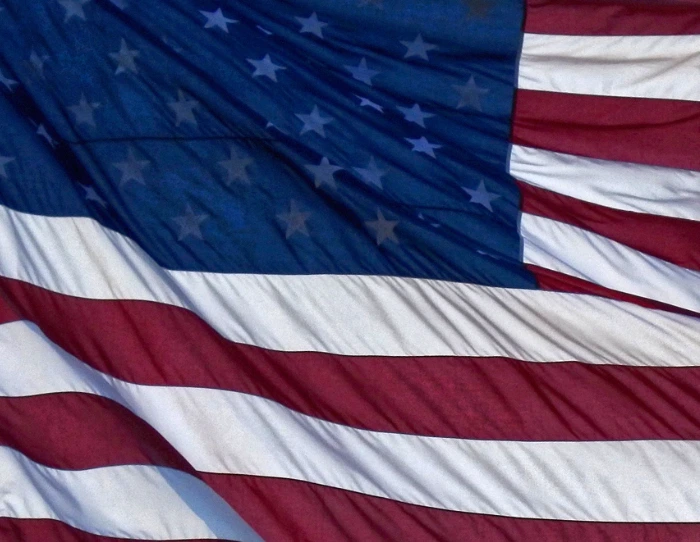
[[491, 398], [286, 511], [672, 239], [7, 310], [82, 431], [613, 17], [657, 132], [50, 530], [559, 282]]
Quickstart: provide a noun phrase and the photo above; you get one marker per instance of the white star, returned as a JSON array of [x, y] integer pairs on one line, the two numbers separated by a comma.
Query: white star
[[125, 59], [362, 73], [37, 62], [314, 122], [371, 174], [216, 19], [414, 114], [295, 220], [132, 169], [121, 4], [236, 166], [43, 132], [312, 25], [4, 160], [418, 48], [74, 8], [184, 109], [92, 195], [84, 111], [470, 94], [481, 196], [423, 145], [383, 228], [9, 83], [266, 67], [189, 224], [323, 172], [365, 102]]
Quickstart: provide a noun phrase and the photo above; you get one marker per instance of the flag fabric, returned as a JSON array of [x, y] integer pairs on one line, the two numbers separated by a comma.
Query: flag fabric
[[355, 270]]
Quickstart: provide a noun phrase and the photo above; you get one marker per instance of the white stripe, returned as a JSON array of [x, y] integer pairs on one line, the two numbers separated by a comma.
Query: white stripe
[[619, 185], [664, 67], [351, 315], [129, 501], [580, 253], [228, 432]]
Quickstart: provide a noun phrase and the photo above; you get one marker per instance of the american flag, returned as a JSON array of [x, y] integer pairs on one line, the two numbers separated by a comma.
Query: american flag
[[373, 270]]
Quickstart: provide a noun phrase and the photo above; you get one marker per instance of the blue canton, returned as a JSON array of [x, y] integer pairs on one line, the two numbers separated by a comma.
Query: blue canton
[[295, 137]]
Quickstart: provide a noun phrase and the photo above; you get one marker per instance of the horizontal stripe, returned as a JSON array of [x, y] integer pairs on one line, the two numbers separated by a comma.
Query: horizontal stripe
[[671, 239], [69, 431], [561, 282], [662, 67], [287, 511], [583, 254], [128, 501], [619, 185], [43, 530], [482, 398], [661, 133], [232, 433], [350, 315], [613, 17]]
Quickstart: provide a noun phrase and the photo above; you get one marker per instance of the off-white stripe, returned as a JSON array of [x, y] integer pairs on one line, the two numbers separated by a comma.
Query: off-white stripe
[[580, 253], [228, 432], [352, 315], [619, 185], [664, 67], [129, 501]]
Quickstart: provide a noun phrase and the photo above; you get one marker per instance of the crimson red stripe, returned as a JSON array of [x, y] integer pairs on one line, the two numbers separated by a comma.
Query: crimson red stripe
[[672, 239], [50, 530], [560, 282], [7, 311], [613, 17], [82, 431], [490, 398], [639, 130], [287, 510]]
